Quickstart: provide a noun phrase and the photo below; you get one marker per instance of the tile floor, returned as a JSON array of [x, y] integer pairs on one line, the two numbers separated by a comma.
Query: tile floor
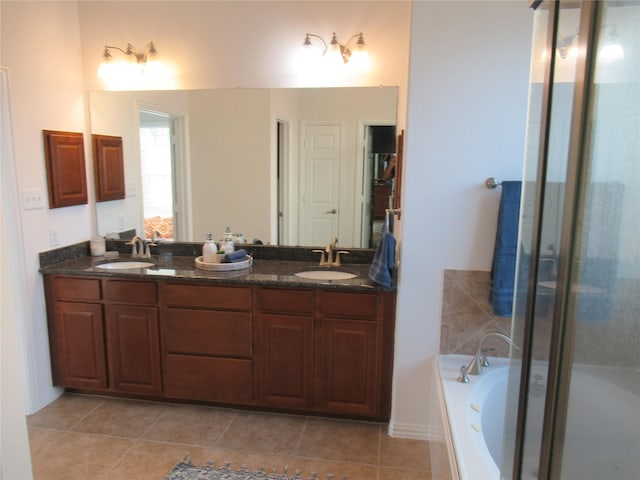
[[87, 437]]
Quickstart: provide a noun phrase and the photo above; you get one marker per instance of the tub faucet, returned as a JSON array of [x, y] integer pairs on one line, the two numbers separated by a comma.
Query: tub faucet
[[480, 358]]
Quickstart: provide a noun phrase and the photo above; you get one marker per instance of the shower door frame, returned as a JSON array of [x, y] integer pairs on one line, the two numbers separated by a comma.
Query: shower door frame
[[562, 339]]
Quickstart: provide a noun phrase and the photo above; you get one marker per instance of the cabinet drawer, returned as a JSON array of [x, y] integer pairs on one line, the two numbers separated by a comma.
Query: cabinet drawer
[[285, 301], [202, 332], [131, 292], [66, 288], [231, 298], [208, 379], [355, 305]]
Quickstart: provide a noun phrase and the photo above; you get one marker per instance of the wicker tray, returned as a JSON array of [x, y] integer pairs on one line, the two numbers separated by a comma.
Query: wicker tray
[[224, 267]]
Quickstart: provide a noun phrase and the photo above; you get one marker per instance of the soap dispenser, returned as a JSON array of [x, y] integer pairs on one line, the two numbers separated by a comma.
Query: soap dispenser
[[228, 247], [227, 234], [227, 241], [209, 250]]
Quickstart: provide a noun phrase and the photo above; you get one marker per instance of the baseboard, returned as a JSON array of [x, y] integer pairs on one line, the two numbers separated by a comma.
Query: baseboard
[[42, 401], [416, 432]]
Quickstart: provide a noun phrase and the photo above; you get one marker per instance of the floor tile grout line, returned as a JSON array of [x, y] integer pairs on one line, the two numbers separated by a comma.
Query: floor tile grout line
[[226, 429], [330, 460], [118, 461], [155, 421], [84, 417], [301, 436]]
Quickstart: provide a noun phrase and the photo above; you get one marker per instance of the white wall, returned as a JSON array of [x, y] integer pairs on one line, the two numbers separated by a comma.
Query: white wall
[[40, 46], [468, 83], [41, 49], [13, 426]]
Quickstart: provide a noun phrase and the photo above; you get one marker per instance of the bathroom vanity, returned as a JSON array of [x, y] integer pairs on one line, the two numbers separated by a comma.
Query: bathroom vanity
[[260, 338]]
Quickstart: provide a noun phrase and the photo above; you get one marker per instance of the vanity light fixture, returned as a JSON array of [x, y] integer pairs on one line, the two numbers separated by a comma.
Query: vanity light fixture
[[149, 53], [612, 48], [141, 59], [568, 47], [337, 49]]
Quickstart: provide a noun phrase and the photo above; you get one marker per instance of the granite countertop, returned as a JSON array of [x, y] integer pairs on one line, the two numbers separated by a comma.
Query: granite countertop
[[183, 268]]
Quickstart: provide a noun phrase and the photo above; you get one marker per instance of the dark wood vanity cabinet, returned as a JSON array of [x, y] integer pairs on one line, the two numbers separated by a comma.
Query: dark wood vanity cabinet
[[207, 346], [103, 334], [355, 341], [79, 337], [326, 351], [285, 347], [290, 349], [133, 351]]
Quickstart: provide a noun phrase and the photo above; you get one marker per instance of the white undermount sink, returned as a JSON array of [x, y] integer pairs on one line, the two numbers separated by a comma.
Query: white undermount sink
[[325, 275], [125, 265]]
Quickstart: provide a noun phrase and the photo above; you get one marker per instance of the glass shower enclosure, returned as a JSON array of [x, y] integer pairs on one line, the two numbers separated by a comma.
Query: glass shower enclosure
[[574, 387]]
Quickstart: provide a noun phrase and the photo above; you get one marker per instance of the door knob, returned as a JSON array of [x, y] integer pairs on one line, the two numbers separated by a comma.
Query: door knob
[[333, 211]]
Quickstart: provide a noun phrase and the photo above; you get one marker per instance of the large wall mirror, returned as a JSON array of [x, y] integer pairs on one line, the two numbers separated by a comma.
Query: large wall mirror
[[284, 166]]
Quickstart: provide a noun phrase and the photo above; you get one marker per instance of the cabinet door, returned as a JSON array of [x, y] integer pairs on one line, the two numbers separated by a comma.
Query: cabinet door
[[133, 348], [286, 359], [349, 367], [80, 336]]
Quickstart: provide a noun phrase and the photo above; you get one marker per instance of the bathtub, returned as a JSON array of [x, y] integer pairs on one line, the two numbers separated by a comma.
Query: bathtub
[[604, 446], [474, 448]]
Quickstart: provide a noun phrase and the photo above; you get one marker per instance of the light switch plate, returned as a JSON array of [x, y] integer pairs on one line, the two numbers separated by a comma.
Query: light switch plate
[[54, 236], [32, 198]]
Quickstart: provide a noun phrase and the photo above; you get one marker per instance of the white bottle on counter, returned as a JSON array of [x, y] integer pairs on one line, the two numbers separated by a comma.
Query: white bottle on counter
[[228, 247], [209, 250]]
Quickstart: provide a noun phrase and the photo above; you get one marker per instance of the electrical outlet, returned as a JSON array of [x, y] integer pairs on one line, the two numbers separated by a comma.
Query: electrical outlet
[[54, 236], [32, 198]]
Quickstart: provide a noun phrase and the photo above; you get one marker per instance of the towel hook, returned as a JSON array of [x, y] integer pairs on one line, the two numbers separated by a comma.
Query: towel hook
[[393, 211], [492, 183]]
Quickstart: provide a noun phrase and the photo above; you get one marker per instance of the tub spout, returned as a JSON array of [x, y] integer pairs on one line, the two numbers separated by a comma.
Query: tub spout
[[480, 358]]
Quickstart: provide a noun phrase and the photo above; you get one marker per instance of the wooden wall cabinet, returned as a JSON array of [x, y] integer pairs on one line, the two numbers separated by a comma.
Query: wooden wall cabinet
[[66, 173], [108, 167]]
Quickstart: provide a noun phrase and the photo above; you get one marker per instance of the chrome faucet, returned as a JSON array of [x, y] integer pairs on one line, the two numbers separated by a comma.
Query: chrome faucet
[[329, 259], [140, 248], [480, 358]]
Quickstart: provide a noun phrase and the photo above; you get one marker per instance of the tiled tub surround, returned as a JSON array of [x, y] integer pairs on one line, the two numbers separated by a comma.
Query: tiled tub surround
[[467, 314]]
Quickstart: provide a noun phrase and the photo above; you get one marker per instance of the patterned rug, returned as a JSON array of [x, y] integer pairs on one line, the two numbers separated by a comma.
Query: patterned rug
[[188, 471]]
